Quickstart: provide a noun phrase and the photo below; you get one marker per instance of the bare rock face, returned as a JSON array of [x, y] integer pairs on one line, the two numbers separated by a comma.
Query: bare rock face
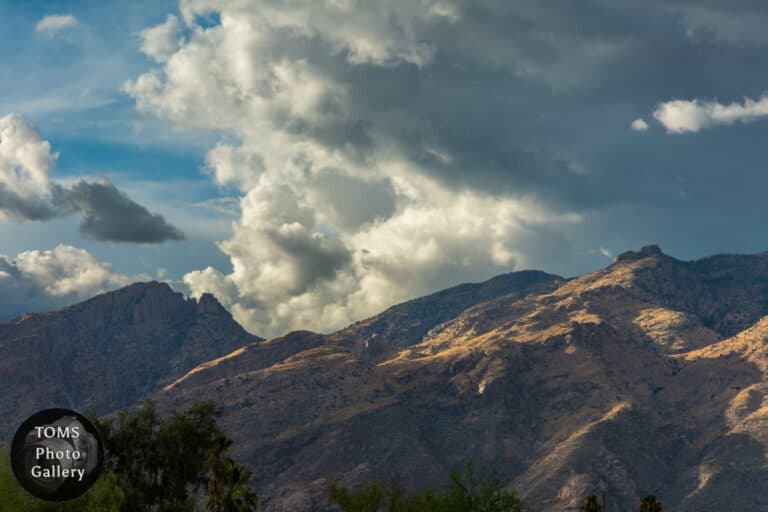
[[647, 377], [645, 252], [110, 351]]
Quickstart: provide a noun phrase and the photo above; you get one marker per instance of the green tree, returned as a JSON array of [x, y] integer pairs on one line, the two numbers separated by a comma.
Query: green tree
[[106, 495], [12, 496], [465, 492], [479, 492], [650, 504], [166, 463], [228, 489], [153, 464], [368, 498], [153, 460], [591, 504]]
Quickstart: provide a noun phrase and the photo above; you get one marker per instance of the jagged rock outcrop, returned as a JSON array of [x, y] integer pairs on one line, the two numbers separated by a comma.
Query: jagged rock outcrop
[[110, 351]]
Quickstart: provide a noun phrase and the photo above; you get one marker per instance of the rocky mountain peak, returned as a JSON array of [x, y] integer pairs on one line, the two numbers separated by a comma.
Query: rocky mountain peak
[[648, 251], [207, 303], [109, 351]]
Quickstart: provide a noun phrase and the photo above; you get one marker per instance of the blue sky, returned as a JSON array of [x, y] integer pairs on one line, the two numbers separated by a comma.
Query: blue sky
[[68, 84], [312, 163]]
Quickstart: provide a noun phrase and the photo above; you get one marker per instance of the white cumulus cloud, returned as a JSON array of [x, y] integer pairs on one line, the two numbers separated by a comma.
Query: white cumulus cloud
[[55, 23], [161, 41], [683, 116], [25, 158], [25, 162], [41, 280], [342, 213], [639, 125]]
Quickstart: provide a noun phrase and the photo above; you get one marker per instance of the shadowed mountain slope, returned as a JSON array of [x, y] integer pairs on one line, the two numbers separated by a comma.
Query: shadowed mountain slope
[[110, 351]]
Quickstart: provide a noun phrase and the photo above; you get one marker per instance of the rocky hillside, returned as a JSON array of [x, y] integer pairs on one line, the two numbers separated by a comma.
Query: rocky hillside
[[110, 351], [406, 324], [646, 377]]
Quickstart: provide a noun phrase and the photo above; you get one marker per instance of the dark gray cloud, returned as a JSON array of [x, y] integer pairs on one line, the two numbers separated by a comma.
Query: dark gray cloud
[[18, 207], [533, 98], [312, 260], [27, 192], [110, 215], [352, 203]]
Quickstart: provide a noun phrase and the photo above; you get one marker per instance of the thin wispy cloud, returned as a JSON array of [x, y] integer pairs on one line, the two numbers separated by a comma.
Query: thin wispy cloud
[[229, 206], [55, 23]]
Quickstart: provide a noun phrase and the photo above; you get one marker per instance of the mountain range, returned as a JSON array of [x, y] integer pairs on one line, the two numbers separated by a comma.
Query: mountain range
[[646, 377]]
